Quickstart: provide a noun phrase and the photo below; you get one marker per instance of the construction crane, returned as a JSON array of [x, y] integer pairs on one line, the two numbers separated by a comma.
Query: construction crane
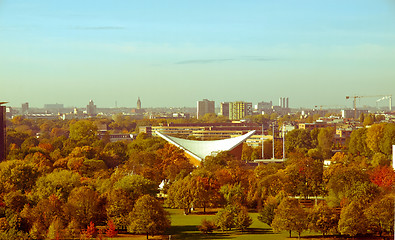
[[390, 101], [355, 101]]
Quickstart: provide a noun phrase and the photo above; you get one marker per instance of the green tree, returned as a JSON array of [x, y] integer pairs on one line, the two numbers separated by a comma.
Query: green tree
[[267, 213], [290, 216], [60, 183], [181, 195], [136, 186], [325, 141], [357, 144], [225, 218], [352, 220], [17, 175], [242, 219], [148, 217], [83, 132]]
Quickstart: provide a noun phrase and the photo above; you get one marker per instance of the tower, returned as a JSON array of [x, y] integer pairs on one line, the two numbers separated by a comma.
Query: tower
[[138, 103], [91, 108], [2, 131]]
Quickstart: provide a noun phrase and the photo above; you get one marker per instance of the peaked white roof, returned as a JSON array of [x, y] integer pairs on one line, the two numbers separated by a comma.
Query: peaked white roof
[[201, 149]]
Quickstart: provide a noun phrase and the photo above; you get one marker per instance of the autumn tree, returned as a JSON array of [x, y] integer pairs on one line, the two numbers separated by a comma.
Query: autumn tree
[[380, 214], [290, 216], [173, 162], [353, 220], [111, 229], [323, 219], [83, 205], [83, 132], [148, 217]]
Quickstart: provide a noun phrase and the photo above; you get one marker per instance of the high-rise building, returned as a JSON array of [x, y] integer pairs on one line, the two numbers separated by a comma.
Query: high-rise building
[[25, 108], [238, 110], [91, 109], [2, 132], [205, 106], [224, 111], [138, 103]]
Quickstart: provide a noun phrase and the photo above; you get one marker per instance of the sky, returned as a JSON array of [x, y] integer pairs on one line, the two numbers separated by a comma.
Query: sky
[[172, 53]]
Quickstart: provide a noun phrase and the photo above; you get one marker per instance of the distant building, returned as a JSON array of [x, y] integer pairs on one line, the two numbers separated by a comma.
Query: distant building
[[284, 102], [205, 106], [264, 106], [91, 109], [224, 110], [138, 108], [238, 110], [54, 108], [25, 108], [138, 103], [2, 132], [351, 113]]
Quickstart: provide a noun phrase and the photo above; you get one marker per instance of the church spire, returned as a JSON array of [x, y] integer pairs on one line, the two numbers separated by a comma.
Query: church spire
[[138, 103]]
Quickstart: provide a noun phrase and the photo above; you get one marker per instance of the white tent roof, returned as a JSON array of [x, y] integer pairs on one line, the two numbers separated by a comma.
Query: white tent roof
[[201, 149]]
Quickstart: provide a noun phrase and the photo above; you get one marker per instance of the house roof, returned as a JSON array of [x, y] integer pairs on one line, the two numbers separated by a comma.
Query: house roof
[[201, 149]]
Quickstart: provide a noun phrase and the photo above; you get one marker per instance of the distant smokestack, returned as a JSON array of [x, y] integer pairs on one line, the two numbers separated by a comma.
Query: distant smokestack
[[280, 102], [284, 102], [287, 102]]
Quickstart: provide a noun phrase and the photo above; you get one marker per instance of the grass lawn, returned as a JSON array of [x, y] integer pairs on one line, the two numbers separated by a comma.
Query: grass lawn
[[185, 227]]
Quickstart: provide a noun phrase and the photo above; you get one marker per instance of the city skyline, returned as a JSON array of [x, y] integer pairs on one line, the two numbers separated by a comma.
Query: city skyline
[[173, 54]]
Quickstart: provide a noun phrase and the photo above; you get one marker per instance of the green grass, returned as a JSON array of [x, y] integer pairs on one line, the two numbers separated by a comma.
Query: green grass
[[185, 227]]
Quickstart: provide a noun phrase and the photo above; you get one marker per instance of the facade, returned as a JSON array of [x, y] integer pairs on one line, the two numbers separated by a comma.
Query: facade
[[91, 109], [2, 133], [203, 131], [25, 108], [350, 113], [224, 110], [198, 150], [238, 110], [205, 106]]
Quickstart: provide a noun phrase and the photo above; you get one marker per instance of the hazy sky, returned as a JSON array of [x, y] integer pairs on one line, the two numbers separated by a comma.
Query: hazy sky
[[173, 53]]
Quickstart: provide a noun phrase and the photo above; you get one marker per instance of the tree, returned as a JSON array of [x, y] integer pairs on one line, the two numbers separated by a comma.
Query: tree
[[17, 175], [374, 135], [119, 205], [206, 226], [352, 220], [110, 231], [83, 132], [306, 174], [225, 218], [181, 195], [323, 219], [380, 214], [290, 216], [242, 219], [325, 141], [148, 217], [83, 205], [136, 186], [173, 162], [267, 213], [59, 182]]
